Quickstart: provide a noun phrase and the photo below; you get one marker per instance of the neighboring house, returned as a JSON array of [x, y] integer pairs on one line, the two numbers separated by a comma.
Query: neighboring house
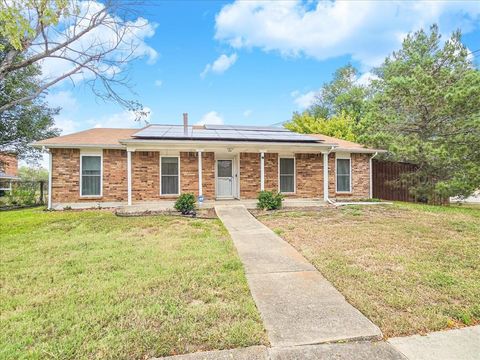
[[473, 199], [125, 166], [8, 170]]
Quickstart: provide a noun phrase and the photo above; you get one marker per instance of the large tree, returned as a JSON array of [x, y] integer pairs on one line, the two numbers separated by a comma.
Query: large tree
[[88, 41], [338, 107], [27, 121], [342, 126], [426, 110], [343, 94]]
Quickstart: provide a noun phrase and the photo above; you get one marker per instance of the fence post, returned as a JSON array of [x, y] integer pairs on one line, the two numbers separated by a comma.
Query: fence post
[[41, 192]]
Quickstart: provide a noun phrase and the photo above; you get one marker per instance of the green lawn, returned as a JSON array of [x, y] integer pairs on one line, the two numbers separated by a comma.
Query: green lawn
[[410, 268], [90, 285]]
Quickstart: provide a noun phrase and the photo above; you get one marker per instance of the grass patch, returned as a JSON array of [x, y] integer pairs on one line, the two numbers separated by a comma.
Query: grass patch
[[89, 285], [410, 268]]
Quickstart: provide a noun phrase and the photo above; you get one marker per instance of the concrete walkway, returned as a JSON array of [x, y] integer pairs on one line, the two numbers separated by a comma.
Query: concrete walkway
[[348, 351], [297, 304], [458, 344]]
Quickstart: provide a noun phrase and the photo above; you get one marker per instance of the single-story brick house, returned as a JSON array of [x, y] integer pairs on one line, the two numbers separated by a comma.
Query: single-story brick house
[[8, 171], [126, 166], [8, 165]]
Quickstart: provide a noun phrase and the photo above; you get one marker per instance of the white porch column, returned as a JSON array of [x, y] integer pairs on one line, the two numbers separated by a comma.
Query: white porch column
[[200, 180], [371, 174], [50, 167], [262, 170], [129, 176], [325, 176]]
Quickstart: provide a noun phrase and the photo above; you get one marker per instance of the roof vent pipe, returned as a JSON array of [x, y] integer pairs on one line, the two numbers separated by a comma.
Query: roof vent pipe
[[185, 124]]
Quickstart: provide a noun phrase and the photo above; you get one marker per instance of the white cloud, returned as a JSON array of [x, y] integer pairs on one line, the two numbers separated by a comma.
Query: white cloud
[[219, 66], [212, 118], [124, 119], [365, 30], [366, 78], [158, 83], [303, 101], [69, 106], [247, 113], [63, 99]]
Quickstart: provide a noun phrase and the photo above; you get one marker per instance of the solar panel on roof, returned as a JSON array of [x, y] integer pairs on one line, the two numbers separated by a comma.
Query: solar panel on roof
[[246, 128], [223, 132]]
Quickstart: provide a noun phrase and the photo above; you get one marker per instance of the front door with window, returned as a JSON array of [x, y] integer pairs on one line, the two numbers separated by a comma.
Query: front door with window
[[225, 178]]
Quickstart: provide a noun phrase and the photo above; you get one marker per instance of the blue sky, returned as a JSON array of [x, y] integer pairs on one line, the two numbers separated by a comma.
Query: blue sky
[[255, 63]]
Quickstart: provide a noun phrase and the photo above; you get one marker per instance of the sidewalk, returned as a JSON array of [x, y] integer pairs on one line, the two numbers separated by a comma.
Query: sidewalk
[[297, 304], [458, 344]]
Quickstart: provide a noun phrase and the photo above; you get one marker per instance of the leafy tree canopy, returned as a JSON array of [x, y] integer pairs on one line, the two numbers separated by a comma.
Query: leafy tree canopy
[[341, 95], [73, 32], [28, 121], [342, 126], [32, 173], [426, 110]]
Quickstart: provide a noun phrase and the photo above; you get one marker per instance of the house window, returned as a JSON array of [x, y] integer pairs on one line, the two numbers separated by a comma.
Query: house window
[[344, 175], [169, 178], [91, 175], [287, 175]]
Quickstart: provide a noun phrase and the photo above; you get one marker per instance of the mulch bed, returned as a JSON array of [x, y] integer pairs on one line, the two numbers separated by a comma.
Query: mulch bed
[[257, 212], [200, 214]]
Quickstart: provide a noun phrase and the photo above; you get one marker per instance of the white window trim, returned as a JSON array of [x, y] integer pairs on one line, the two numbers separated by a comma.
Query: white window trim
[[87, 153], [179, 172], [294, 174], [343, 157]]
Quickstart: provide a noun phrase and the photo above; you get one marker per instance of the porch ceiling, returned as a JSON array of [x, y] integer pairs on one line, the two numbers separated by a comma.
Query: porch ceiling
[[225, 146]]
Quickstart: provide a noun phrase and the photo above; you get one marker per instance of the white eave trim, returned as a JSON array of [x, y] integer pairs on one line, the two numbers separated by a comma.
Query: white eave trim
[[218, 144], [357, 150], [190, 144], [79, 146]]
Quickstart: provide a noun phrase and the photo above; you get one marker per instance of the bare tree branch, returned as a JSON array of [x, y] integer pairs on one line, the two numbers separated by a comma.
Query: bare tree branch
[[100, 38]]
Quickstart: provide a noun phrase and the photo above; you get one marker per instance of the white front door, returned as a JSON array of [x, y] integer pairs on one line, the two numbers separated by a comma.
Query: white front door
[[225, 178]]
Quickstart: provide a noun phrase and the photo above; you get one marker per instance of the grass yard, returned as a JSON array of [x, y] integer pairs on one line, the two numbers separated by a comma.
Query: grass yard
[[90, 285], [409, 268]]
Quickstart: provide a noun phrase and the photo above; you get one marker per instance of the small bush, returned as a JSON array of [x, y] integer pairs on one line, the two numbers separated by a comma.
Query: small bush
[[22, 195], [185, 203], [269, 200]]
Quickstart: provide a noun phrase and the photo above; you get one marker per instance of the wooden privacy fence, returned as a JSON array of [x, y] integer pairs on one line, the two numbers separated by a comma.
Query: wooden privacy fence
[[386, 180]]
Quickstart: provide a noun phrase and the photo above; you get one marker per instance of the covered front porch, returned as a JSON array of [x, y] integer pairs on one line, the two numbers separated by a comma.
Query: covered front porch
[[223, 171]]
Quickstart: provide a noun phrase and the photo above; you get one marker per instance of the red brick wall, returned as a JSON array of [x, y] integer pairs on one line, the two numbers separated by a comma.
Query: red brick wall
[[114, 175], [271, 171], [309, 168], [208, 175], [360, 177], [66, 176], [249, 175], [189, 173], [146, 175], [8, 164]]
